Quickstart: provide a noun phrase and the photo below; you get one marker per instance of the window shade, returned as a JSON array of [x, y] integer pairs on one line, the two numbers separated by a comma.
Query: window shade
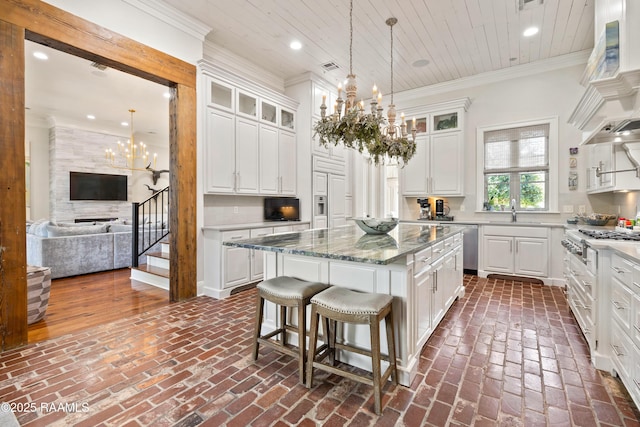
[[517, 149]]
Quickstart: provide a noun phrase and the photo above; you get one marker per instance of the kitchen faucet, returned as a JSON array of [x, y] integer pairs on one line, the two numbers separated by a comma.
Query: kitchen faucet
[[513, 210]]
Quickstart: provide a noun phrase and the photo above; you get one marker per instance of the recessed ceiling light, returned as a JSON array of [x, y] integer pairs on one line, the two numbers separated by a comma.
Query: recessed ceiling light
[[295, 45], [124, 124], [420, 63], [91, 117], [166, 95], [40, 55], [530, 31]]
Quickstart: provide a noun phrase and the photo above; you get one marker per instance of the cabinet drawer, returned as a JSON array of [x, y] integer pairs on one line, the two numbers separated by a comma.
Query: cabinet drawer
[[260, 232], [622, 269], [437, 249], [235, 235], [622, 351], [457, 238], [621, 304], [448, 243], [514, 231], [422, 260]]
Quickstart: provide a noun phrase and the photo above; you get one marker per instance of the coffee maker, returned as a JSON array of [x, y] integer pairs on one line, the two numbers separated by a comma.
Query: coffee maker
[[440, 207], [425, 209]]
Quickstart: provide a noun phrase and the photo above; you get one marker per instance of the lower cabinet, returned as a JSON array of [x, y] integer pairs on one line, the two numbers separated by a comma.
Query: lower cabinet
[[228, 267], [522, 251], [437, 282]]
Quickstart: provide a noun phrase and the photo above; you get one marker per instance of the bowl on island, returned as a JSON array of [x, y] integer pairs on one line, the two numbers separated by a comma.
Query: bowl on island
[[376, 225]]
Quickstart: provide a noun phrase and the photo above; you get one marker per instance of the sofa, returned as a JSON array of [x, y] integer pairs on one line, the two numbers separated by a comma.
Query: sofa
[[71, 249]]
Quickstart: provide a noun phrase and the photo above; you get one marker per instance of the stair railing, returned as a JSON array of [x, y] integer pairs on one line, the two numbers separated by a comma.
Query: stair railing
[[155, 224]]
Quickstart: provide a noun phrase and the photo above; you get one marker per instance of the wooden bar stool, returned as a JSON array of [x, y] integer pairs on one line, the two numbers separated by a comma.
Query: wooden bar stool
[[287, 292], [338, 304]]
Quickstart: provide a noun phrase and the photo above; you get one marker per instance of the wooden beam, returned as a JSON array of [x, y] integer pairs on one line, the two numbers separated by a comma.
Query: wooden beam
[[182, 194], [46, 24], [13, 270], [61, 30]]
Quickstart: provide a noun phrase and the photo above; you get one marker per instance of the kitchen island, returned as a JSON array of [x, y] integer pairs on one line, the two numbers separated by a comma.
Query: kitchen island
[[419, 265]]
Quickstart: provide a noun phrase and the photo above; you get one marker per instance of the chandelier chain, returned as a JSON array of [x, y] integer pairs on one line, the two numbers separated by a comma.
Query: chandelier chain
[[391, 26], [351, 37]]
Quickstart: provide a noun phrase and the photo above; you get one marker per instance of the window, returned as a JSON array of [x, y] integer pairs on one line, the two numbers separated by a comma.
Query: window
[[515, 166]]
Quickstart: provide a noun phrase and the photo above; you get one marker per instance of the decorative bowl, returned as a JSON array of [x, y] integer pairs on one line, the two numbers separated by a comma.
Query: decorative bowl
[[597, 219], [376, 225]]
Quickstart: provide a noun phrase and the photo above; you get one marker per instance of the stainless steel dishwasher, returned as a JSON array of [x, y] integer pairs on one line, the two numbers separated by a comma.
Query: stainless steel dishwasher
[[470, 252]]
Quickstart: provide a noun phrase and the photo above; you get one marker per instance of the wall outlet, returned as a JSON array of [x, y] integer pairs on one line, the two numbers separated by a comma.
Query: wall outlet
[[461, 208], [567, 208], [582, 209], [235, 209]]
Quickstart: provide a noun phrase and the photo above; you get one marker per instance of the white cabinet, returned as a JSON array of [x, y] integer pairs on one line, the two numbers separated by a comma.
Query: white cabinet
[[277, 161], [437, 168], [220, 164], [228, 267], [246, 156], [522, 251], [236, 261], [257, 257], [250, 141], [437, 282], [337, 201]]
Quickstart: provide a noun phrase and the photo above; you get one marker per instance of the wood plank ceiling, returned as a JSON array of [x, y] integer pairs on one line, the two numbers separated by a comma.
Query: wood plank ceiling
[[459, 38]]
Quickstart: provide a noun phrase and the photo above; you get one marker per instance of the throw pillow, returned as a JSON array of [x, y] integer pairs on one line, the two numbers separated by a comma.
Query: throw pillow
[[119, 228], [74, 224], [39, 228]]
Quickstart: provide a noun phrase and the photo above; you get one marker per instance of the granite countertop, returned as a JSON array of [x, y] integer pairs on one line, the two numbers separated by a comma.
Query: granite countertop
[[227, 227], [349, 243], [519, 223]]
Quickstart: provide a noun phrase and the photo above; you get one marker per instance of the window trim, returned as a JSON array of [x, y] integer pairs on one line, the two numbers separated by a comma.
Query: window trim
[[552, 121]]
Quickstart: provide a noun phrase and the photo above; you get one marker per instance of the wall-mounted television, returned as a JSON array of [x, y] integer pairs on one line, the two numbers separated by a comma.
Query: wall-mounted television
[[97, 186]]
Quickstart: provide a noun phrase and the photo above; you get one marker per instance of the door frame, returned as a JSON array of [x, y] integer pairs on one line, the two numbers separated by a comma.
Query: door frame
[[42, 23]]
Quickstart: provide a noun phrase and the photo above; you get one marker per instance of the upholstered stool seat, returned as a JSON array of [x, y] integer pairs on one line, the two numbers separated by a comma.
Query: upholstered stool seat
[[286, 292], [338, 304]]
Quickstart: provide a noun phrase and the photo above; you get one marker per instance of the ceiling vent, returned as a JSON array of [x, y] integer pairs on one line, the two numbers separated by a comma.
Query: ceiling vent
[[100, 67], [330, 66], [528, 4]]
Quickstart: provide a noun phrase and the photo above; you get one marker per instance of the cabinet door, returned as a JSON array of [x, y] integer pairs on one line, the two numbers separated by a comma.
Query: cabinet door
[[337, 205], [531, 256], [287, 163], [437, 295], [220, 160], [257, 257], [424, 286], [498, 254], [268, 160], [236, 266], [246, 156], [414, 174], [446, 164]]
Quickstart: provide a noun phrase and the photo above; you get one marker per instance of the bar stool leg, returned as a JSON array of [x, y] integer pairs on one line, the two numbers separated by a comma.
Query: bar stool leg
[[302, 338], [283, 322], [391, 343], [313, 342], [258, 328], [374, 328]]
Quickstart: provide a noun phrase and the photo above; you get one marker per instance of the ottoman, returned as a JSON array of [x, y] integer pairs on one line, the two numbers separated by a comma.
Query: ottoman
[[38, 286]]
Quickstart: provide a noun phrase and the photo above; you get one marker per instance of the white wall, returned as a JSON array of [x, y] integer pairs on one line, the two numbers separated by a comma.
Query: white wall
[[37, 137], [527, 97]]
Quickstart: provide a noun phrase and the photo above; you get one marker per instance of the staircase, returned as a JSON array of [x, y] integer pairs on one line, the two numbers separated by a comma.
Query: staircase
[[156, 271], [150, 237]]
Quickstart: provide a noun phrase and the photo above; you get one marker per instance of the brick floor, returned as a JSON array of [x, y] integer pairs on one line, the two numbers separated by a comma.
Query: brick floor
[[508, 353]]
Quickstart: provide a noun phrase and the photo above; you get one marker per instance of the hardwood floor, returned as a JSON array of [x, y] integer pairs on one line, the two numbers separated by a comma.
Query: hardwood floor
[[79, 302]]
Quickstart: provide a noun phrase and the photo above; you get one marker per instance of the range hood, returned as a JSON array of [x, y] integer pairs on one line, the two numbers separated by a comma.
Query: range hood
[[609, 110]]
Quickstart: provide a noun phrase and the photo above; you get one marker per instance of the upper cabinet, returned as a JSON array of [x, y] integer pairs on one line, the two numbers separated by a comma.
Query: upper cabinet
[[437, 168], [250, 142]]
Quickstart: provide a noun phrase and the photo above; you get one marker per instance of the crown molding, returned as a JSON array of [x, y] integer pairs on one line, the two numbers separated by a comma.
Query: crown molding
[[241, 66], [537, 67], [172, 16]]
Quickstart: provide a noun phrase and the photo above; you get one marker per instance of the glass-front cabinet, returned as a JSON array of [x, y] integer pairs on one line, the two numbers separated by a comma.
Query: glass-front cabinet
[[220, 96], [247, 105], [446, 121]]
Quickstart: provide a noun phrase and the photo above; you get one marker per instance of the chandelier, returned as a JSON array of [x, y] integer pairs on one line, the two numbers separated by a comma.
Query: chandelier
[[130, 155], [364, 131]]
